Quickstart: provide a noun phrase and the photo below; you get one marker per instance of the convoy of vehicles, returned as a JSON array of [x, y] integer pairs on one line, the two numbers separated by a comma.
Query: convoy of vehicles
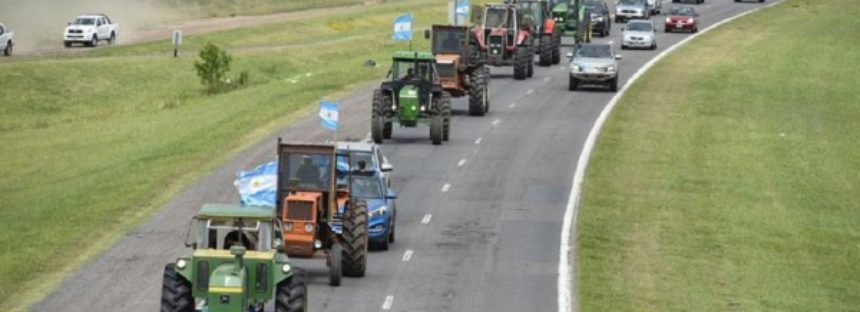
[[639, 34], [682, 18], [506, 38], [460, 65], [89, 30], [6, 43]]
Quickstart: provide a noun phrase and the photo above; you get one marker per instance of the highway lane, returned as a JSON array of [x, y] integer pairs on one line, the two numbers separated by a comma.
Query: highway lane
[[491, 239]]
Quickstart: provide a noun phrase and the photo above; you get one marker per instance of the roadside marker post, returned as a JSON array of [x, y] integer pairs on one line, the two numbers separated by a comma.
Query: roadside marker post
[[177, 41]]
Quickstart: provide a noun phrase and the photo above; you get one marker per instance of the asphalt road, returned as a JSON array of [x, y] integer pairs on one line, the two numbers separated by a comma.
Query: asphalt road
[[479, 217]]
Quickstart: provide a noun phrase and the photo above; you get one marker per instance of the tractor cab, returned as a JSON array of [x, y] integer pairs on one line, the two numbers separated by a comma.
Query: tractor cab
[[414, 78], [456, 52]]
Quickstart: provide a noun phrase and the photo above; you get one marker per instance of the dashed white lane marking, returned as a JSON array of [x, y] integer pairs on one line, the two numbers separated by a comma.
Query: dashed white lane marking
[[547, 79], [512, 105], [461, 163], [446, 187], [611, 42], [426, 218], [407, 255], [478, 140], [530, 91], [389, 300], [496, 122]]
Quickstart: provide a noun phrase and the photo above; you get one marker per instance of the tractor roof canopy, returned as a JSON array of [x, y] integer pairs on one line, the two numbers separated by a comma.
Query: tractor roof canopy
[[231, 211], [413, 56]]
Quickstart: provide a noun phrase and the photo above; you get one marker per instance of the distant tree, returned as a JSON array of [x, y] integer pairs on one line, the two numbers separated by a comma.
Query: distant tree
[[212, 67]]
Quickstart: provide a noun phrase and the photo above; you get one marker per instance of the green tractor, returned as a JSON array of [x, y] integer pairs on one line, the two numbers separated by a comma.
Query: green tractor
[[571, 14], [413, 95], [237, 264]]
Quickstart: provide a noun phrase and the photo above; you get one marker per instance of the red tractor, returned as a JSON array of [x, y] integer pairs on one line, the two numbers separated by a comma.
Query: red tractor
[[546, 32], [505, 37]]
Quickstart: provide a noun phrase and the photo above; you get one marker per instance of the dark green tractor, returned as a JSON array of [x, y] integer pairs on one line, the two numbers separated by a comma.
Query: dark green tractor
[[413, 95], [237, 264], [575, 17]]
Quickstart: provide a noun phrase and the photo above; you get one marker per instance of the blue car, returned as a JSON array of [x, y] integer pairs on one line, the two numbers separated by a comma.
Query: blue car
[[381, 206]]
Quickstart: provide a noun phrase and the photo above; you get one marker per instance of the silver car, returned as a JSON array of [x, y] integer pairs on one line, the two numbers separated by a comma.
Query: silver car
[[631, 9], [639, 34], [594, 63], [370, 154]]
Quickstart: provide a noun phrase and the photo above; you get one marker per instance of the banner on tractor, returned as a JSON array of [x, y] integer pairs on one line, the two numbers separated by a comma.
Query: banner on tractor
[[257, 187], [328, 114], [403, 27]]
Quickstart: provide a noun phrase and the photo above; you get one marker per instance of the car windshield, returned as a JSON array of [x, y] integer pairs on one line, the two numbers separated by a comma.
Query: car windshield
[[361, 156], [629, 2], [595, 8], [639, 26], [594, 51], [685, 11], [366, 186], [84, 21]]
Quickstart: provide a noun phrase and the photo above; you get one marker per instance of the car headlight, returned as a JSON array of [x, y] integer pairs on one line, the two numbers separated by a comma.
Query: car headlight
[[575, 68], [668, 20], [598, 18], [690, 20], [378, 212], [610, 69]]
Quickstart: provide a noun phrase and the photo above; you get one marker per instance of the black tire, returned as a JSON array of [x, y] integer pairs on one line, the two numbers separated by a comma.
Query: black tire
[[335, 264], [478, 93], [531, 71], [112, 38], [521, 62], [386, 130], [383, 243], [291, 294], [94, 42], [354, 238], [67, 44], [445, 111], [654, 45], [377, 121], [545, 51], [613, 84], [436, 129], [8, 50], [556, 47], [393, 228], [572, 84], [175, 292]]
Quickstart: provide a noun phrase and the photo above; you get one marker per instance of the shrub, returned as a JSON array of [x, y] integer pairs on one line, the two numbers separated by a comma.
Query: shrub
[[212, 67]]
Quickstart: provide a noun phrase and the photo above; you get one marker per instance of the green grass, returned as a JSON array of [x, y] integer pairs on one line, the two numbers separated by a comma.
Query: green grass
[[95, 143], [727, 178]]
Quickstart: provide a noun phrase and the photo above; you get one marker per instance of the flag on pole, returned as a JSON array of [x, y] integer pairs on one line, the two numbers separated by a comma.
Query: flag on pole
[[257, 187], [462, 8], [403, 27], [328, 113]]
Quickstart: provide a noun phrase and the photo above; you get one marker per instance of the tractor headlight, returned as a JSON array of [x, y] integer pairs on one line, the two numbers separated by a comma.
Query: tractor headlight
[[378, 212], [317, 244], [286, 268], [288, 226], [423, 108], [181, 264], [309, 227]]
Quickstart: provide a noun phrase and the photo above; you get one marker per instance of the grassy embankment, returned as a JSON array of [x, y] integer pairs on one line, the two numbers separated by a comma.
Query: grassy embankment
[[221, 8], [727, 178], [95, 143]]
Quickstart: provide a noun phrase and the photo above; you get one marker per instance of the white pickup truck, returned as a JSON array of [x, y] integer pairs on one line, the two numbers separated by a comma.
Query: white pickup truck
[[6, 42], [90, 29]]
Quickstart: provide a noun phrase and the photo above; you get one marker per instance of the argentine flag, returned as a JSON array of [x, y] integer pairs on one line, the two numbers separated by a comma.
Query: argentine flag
[[403, 27], [257, 187], [328, 113], [462, 8]]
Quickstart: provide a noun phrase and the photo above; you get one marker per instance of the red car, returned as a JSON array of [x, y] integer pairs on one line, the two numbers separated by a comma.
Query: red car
[[682, 19]]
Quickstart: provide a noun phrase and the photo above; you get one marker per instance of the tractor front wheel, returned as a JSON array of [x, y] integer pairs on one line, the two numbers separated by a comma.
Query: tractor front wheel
[[175, 292], [335, 268], [377, 123], [386, 130], [478, 93], [292, 293], [445, 111], [354, 239], [545, 51], [531, 62], [522, 57], [436, 125]]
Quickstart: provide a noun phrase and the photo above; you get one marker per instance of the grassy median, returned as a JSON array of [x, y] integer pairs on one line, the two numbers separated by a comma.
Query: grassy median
[[94, 143], [727, 178]]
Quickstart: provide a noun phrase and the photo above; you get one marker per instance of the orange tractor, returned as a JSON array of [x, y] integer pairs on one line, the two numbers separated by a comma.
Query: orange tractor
[[460, 66], [320, 216]]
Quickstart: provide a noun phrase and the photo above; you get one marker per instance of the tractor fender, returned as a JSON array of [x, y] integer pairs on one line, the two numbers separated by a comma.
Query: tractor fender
[[479, 36], [549, 26], [522, 37]]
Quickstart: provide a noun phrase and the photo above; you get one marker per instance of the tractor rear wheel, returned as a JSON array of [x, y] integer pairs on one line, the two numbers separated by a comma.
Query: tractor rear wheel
[[436, 125], [175, 292], [292, 293], [545, 51], [522, 57], [335, 265], [556, 47], [354, 239], [377, 121], [445, 111], [478, 93], [386, 130]]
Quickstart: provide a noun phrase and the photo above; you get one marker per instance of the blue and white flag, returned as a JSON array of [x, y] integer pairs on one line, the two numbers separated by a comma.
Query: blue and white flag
[[328, 113], [462, 8], [403, 27], [257, 187]]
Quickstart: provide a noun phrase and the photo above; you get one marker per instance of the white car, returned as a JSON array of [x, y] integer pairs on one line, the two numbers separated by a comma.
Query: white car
[[6, 43], [639, 34], [90, 29]]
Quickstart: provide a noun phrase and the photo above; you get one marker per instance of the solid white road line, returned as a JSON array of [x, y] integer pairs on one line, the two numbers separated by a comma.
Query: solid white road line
[[407, 255], [426, 218], [389, 300], [445, 187], [461, 163], [478, 140], [571, 212]]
